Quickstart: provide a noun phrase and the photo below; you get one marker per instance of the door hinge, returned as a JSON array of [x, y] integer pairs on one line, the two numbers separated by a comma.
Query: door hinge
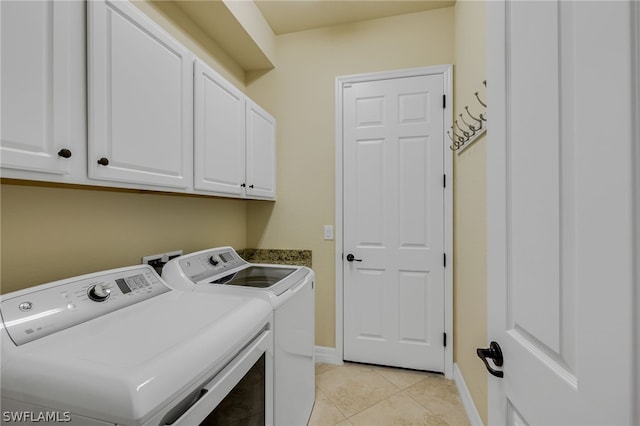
[[444, 181], [444, 339], [444, 259], [444, 101]]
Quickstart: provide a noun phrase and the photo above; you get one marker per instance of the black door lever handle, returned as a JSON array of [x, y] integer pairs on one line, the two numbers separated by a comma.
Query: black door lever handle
[[495, 353], [351, 258]]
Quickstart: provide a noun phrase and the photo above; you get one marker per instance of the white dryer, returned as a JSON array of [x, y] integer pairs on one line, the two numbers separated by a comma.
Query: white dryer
[[121, 347], [290, 290]]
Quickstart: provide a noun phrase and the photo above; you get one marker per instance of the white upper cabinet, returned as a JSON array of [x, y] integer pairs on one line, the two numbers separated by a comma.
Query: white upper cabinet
[[261, 152], [140, 83], [42, 88], [234, 150], [97, 93], [219, 134]]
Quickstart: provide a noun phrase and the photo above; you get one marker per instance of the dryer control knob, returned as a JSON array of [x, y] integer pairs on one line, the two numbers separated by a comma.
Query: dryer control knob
[[213, 261], [98, 293]]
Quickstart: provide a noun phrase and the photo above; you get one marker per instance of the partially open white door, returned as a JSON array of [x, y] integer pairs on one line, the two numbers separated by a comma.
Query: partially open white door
[[560, 212]]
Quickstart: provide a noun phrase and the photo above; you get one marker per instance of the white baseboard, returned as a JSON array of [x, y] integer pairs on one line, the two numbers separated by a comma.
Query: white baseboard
[[327, 355], [465, 396]]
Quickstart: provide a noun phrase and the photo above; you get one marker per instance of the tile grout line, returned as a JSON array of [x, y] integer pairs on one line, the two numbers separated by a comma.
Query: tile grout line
[[373, 370], [397, 389], [433, 413], [410, 396]]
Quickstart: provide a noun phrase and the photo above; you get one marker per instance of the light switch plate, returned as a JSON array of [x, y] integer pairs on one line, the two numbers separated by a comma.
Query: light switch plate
[[328, 232]]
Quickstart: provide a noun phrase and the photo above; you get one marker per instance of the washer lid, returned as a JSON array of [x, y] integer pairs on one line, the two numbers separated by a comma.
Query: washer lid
[[124, 366], [256, 276], [273, 278]]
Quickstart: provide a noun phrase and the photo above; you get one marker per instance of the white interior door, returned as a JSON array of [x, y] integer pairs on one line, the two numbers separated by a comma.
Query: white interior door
[[393, 217], [560, 217]]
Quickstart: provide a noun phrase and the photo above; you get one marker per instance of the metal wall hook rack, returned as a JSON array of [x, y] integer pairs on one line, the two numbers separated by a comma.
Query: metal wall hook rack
[[480, 100], [469, 131]]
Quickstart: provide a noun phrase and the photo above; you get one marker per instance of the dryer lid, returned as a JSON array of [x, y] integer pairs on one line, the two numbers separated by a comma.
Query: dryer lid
[[124, 366]]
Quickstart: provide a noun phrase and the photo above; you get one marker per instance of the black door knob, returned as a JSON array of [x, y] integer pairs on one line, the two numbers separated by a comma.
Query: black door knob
[[351, 258], [495, 353], [64, 153], [103, 161]]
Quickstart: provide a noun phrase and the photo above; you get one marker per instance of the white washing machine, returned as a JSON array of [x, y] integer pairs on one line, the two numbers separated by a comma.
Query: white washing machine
[[121, 347], [290, 290]]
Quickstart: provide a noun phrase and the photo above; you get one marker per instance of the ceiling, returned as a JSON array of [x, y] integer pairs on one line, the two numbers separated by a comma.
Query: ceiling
[[219, 21], [287, 16]]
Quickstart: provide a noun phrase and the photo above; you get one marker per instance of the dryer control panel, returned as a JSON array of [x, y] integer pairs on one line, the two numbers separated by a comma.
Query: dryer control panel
[[39, 311]]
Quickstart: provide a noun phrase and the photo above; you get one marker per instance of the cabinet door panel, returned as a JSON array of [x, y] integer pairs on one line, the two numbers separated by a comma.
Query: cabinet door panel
[[219, 139], [261, 153], [40, 66], [140, 91]]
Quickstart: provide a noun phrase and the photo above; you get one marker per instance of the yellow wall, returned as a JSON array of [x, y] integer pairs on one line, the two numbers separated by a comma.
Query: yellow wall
[[470, 271], [50, 232], [300, 93]]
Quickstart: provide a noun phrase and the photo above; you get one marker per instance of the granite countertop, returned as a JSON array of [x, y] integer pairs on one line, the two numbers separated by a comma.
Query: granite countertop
[[277, 256]]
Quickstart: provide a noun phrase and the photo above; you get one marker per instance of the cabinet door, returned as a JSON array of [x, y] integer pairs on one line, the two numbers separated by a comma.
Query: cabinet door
[[219, 135], [261, 152], [42, 85], [140, 84]]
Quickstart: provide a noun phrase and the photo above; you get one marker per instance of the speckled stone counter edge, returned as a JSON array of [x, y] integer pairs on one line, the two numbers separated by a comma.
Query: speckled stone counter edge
[[277, 256]]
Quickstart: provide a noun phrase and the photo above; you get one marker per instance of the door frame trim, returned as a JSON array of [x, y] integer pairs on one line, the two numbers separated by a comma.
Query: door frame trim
[[446, 71], [496, 207], [635, 17]]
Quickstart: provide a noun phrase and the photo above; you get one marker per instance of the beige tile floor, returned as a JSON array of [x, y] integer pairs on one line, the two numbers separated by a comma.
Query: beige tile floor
[[360, 394]]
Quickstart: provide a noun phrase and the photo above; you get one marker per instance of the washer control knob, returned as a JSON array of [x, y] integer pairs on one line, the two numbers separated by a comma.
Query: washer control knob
[[213, 261], [98, 293]]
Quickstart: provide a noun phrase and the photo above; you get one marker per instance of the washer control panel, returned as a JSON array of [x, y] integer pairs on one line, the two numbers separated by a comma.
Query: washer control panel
[[206, 264], [36, 312]]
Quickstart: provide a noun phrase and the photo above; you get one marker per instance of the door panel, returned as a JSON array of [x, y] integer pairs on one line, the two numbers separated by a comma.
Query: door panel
[[535, 178], [261, 152], [414, 178], [140, 99], [559, 210], [370, 283], [219, 139], [394, 222], [41, 75], [370, 178], [414, 293]]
